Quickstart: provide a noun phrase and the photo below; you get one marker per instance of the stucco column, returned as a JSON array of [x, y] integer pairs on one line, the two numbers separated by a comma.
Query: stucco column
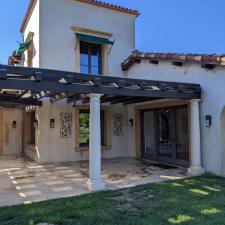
[[95, 181], [196, 162]]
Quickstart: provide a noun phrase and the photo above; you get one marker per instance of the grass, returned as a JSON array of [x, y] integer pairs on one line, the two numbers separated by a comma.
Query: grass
[[195, 201]]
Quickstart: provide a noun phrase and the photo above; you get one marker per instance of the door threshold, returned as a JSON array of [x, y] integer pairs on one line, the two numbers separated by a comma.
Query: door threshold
[[162, 163]]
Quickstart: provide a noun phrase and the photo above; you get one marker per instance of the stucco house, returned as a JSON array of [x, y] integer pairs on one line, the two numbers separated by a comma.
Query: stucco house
[[167, 108]]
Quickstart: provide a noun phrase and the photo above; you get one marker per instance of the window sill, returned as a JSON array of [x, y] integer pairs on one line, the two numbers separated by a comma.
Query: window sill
[[85, 149]]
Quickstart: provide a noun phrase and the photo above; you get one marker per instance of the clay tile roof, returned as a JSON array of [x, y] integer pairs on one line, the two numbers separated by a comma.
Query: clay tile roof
[[201, 59], [91, 2], [111, 6]]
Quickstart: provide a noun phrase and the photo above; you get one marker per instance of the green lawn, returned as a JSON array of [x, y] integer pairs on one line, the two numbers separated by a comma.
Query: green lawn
[[192, 201]]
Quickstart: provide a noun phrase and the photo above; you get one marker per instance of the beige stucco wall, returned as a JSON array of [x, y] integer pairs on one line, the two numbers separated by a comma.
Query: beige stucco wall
[[12, 137], [52, 148], [33, 26], [213, 102], [55, 42], [58, 41]]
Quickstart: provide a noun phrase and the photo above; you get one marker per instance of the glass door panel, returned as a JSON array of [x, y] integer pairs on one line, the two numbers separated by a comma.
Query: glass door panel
[[148, 134], [182, 150], [166, 132]]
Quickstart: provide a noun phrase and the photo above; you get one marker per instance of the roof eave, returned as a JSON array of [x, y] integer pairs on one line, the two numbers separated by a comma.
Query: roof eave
[[112, 7], [201, 59], [25, 20]]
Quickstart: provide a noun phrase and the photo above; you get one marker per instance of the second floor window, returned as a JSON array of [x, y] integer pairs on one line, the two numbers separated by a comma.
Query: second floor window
[[90, 58]]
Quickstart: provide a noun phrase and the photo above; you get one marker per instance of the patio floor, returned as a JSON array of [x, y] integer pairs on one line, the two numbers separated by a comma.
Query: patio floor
[[24, 181]]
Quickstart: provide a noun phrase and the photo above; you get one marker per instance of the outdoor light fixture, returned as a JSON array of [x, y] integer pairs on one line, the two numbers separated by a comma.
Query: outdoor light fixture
[[52, 123], [14, 124], [131, 122], [208, 121], [35, 123]]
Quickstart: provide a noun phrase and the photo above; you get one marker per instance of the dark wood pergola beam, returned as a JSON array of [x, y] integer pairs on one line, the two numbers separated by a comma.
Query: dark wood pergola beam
[[23, 93], [106, 99], [74, 98], [7, 98], [57, 82], [120, 100], [72, 77], [139, 100], [86, 89]]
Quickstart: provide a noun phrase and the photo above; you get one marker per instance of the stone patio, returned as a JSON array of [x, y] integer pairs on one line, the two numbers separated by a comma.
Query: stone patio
[[23, 181]]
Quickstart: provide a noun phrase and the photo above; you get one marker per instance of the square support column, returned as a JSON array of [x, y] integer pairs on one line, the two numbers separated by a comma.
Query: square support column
[[196, 162], [95, 182]]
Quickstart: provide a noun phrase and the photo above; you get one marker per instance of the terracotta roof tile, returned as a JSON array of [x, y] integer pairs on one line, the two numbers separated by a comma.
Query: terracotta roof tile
[[201, 59], [111, 6]]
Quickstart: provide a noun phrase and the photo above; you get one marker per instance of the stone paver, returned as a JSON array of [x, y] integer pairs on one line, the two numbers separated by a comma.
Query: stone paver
[[23, 181]]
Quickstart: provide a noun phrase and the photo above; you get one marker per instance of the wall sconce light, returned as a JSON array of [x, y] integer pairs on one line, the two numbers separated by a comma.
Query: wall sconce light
[[52, 123], [35, 123], [14, 124], [208, 121], [131, 122]]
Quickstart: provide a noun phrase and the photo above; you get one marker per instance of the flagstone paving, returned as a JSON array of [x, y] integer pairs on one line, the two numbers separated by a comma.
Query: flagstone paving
[[24, 181]]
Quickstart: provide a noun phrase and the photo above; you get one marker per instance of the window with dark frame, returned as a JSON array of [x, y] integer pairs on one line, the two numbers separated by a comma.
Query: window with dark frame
[[84, 127], [90, 58]]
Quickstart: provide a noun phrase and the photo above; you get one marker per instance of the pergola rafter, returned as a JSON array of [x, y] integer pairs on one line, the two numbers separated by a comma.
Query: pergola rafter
[[75, 87]]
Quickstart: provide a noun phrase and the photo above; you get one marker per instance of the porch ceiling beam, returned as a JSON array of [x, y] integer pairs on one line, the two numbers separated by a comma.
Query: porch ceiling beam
[[8, 96], [3, 74], [10, 99], [72, 77], [106, 99], [73, 98], [139, 100], [86, 89], [120, 100], [86, 100]]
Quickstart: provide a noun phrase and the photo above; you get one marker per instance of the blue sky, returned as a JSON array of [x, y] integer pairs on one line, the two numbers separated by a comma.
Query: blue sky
[[182, 26]]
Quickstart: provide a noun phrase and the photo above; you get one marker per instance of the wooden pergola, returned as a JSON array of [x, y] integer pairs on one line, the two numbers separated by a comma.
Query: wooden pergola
[[22, 86]]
